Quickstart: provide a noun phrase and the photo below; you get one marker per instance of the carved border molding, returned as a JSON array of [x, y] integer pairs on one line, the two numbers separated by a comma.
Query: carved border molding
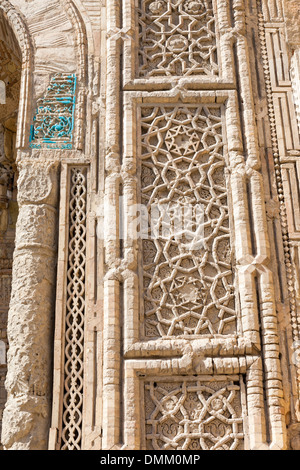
[[286, 151]]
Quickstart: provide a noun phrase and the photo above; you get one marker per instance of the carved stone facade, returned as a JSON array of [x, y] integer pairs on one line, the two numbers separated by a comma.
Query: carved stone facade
[[149, 224]]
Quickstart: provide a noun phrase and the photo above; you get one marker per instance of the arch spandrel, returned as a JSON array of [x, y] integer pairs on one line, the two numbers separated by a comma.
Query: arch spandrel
[[21, 38]]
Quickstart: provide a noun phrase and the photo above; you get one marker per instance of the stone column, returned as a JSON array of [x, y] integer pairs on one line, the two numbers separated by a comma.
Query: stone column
[[30, 318]]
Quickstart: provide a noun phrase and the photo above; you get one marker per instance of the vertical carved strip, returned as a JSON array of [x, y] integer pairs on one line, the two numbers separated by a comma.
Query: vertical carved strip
[[111, 308], [243, 242], [295, 76], [255, 403], [258, 261], [278, 170], [166, 49], [75, 309]]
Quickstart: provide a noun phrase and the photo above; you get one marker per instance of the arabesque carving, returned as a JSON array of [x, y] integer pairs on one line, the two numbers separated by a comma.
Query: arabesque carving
[[54, 119]]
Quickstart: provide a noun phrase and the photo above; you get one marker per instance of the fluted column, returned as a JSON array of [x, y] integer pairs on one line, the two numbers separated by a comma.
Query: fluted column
[[30, 318]]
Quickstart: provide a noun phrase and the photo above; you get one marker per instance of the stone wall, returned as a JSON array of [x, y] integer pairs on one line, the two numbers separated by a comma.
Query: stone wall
[[156, 258]]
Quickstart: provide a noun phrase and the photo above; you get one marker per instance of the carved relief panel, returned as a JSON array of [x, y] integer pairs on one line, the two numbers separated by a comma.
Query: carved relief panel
[[53, 123], [176, 344], [187, 272], [71, 436], [188, 413], [67, 432], [175, 39]]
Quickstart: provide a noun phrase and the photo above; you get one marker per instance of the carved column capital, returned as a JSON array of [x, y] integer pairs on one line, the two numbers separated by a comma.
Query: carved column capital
[[37, 183]]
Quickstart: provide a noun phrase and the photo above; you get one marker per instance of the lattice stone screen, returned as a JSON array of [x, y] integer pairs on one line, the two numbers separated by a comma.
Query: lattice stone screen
[[74, 329], [53, 122]]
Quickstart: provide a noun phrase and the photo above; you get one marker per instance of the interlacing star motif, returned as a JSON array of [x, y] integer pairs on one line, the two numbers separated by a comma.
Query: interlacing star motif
[[193, 414], [188, 278], [177, 37]]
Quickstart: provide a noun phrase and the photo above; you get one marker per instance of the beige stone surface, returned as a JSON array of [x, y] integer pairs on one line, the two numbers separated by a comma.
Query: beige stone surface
[[149, 224]]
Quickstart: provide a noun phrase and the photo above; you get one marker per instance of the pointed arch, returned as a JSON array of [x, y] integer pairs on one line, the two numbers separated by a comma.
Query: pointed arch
[[20, 29]]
